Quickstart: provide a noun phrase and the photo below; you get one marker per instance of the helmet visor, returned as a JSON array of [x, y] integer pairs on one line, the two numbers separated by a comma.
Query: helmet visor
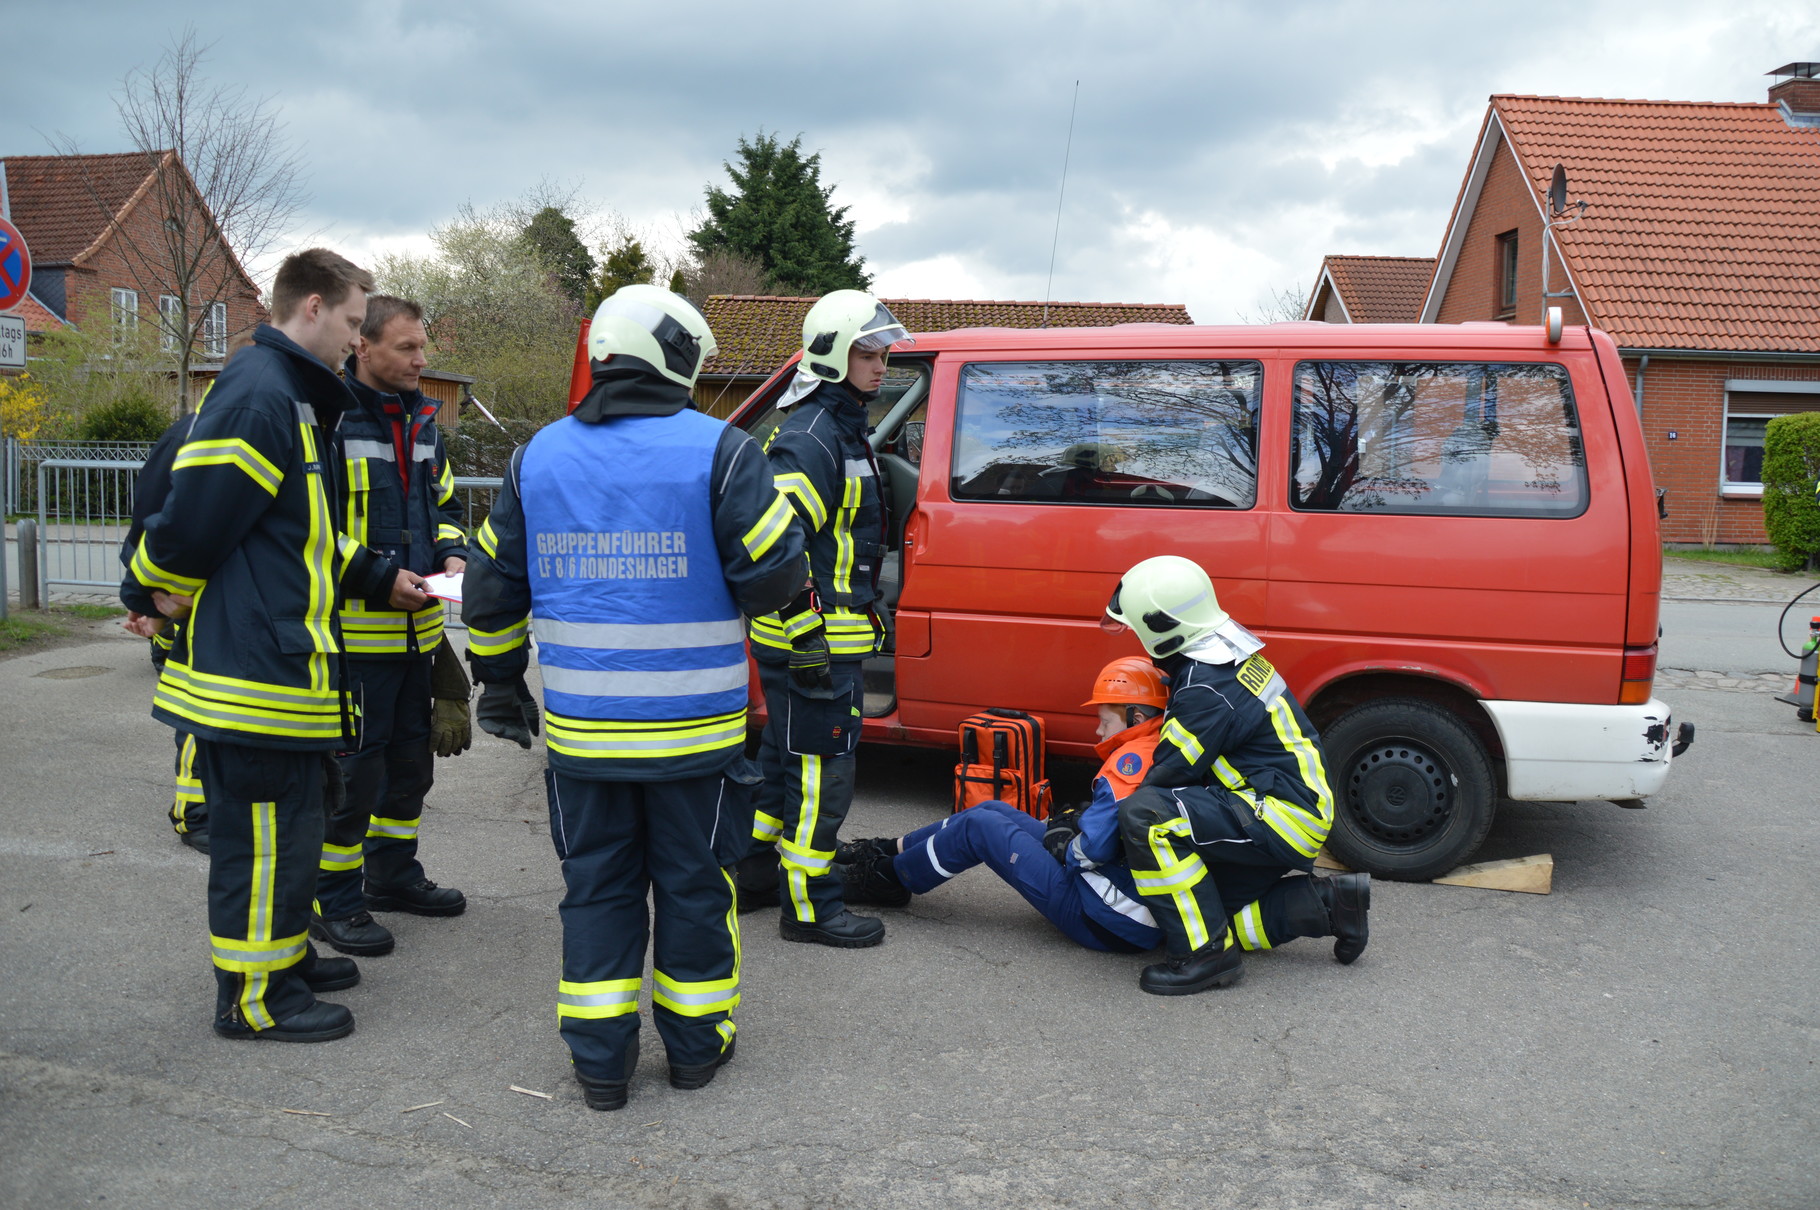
[[881, 332], [1112, 625]]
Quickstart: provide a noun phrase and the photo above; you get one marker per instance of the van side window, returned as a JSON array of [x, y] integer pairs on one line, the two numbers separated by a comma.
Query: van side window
[[1181, 433], [1470, 439]]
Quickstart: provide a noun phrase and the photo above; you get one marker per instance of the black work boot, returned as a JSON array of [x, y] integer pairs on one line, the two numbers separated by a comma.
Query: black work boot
[[690, 1076], [852, 852], [356, 934], [755, 881], [609, 1094], [844, 931], [320, 1022], [327, 974], [196, 838], [1348, 900], [1186, 974], [873, 879], [420, 898]]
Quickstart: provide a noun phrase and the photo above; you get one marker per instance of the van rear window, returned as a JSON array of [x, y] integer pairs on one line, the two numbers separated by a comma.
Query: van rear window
[[1471, 439], [1158, 433]]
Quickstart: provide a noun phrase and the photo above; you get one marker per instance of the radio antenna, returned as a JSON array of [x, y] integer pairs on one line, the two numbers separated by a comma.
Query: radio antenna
[[1067, 149]]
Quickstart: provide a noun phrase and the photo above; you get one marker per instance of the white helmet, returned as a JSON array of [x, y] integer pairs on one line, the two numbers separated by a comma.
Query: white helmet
[[660, 329], [841, 322], [1167, 602]]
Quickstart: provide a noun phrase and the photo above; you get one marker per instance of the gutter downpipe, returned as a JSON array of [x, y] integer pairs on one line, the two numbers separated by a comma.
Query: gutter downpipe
[[1642, 365]]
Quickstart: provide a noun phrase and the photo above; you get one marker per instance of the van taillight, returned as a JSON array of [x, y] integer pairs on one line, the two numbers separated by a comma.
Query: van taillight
[[1639, 675]]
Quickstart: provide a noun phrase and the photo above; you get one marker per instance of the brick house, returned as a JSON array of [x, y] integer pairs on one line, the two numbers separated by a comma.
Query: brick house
[[1698, 250], [1370, 289], [757, 333]]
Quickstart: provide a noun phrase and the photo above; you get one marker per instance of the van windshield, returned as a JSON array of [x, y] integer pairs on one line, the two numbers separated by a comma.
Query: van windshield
[[1180, 433]]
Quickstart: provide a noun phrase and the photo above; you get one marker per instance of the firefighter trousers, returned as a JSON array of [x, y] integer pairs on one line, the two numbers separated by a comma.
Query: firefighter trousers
[[189, 808], [622, 842], [803, 800], [375, 828], [265, 831], [1208, 879]]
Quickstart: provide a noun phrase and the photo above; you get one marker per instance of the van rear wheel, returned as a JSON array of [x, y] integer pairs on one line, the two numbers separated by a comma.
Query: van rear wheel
[[1413, 789]]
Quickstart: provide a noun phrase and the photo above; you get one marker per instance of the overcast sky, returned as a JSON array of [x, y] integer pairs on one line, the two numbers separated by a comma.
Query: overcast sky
[[1219, 149]]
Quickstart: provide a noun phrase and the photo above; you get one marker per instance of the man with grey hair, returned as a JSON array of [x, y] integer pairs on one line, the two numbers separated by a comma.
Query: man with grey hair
[[402, 505]]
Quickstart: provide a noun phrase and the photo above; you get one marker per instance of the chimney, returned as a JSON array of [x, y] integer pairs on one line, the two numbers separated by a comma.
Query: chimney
[[1797, 93]]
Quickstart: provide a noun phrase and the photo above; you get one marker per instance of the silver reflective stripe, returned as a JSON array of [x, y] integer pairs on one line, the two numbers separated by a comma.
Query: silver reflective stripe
[[591, 683], [423, 451], [932, 859], [405, 832], [858, 468], [676, 997], [596, 1000], [1117, 900], [228, 954], [633, 636], [359, 447], [305, 412], [1160, 880], [731, 733]]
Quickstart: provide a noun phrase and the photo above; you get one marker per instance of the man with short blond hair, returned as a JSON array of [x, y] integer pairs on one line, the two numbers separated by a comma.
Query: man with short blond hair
[[246, 548]]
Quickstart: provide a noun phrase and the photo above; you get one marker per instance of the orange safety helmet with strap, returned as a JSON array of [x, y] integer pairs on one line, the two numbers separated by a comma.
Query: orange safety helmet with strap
[[1130, 680]]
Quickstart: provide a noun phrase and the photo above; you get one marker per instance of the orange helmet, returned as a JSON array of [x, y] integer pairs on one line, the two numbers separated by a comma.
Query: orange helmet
[[1130, 680]]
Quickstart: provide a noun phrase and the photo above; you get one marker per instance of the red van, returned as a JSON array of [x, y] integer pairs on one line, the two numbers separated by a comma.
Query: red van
[[1447, 535]]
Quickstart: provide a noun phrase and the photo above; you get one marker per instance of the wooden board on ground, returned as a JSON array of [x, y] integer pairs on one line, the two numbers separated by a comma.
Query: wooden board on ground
[[1323, 860], [1534, 875]]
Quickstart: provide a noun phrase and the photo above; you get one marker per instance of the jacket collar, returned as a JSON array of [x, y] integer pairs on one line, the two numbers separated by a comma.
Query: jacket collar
[[623, 387], [375, 400], [846, 405], [1106, 747], [327, 393]]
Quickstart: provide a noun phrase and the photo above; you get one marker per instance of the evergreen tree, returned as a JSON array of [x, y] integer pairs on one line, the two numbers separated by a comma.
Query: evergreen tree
[[778, 215], [677, 284], [625, 265], [551, 235]]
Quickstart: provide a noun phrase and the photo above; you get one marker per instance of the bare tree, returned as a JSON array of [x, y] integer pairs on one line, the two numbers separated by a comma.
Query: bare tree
[[1280, 306], [224, 183]]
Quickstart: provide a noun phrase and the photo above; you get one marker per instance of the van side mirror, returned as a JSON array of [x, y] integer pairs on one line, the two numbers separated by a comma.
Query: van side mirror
[[1662, 503]]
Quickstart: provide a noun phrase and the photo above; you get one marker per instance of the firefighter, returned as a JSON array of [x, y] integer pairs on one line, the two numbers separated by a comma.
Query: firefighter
[[246, 548], [1236, 798], [629, 539], [401, 504], [809, 654]]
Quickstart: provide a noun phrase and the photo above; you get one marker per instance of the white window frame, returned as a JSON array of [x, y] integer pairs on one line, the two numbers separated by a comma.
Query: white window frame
[[1731, 489], [214, 332], [170, 320], [125, 309]]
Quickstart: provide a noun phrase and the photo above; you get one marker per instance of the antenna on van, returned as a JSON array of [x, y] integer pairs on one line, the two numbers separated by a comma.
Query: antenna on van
[[1067, 149], [1555, 215]]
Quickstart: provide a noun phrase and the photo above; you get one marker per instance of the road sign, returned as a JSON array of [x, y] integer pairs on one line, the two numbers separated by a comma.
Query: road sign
[[12, 342], [15, 266]]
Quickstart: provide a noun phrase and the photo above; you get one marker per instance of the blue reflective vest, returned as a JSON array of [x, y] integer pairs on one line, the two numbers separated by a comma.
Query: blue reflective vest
[[639, 640]]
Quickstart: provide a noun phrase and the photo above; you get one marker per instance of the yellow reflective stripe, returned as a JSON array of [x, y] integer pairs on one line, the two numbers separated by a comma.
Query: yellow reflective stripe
[[385, 632], [234, 689], [733, 932], [1175, 877], [319, 551], [498, 642], [617, 739], [766, 827], [151, 575], [799, 857], [694, 999], [230, 451], [1184, 740], [594, 1001], [445, 483], [1308, 760], [359, 481], [1248, 925], [338, 857], [239, 713], [486, 539], [449, 533], [393, 829], [769, 528], [808, 500], [843, 537], [236, 954]]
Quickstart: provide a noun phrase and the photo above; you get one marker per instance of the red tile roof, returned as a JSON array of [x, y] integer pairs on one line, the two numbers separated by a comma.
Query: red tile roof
[[757, 333], [1380, 289], [37, 317], [1703, 224], [63, 203]]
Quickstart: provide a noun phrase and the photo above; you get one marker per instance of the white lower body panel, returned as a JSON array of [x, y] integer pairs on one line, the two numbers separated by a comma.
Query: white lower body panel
[[1562, 751]]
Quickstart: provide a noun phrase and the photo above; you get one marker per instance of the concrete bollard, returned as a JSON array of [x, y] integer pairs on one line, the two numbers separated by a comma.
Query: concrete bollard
[[28, 565]]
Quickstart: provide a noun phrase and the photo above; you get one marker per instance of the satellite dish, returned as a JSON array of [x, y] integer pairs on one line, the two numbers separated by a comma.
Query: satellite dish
[[1557, 192]]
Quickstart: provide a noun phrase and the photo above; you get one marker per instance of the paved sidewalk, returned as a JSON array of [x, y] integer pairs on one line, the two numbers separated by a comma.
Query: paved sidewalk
[[1697, 580]]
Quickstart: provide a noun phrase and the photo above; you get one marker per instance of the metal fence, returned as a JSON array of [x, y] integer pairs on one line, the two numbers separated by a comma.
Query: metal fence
[[85, 507], [19, 465]]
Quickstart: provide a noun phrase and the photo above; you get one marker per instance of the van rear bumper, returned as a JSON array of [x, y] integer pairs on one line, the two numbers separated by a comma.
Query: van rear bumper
[[1561, 751]]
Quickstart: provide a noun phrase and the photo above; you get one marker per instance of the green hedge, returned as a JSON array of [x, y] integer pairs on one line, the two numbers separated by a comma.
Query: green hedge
[[1791, 464], [132, 417]]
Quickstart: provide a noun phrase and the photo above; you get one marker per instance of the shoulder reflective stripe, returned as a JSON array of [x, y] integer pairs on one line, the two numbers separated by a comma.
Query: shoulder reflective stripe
[[231, 451], [797, 484], [360, 447], [769, 528], [1184, 740], [485, 539], [858, 468], [305, 412], [632, 636], [590, 683], [1110, 895]]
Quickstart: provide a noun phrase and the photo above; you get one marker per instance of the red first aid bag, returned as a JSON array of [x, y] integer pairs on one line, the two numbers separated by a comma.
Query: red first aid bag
[[1002, 758]]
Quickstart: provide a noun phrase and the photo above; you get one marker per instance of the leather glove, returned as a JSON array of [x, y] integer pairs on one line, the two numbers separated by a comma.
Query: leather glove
[[1062, 829], [809, 662], [509, 711], [451, 725]]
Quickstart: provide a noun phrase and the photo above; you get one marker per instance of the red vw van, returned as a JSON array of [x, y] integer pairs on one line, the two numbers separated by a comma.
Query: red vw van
[[1447, 536]]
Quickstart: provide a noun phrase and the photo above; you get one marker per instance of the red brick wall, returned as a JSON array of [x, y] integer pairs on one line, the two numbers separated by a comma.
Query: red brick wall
[[112, 265], [1505, 204], [1687, 398]]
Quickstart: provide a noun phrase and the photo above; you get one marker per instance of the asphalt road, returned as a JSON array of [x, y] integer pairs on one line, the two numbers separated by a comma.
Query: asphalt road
[[1646, 1035]]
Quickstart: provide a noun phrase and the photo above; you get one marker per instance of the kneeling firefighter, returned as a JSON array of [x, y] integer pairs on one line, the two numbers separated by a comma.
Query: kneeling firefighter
[[629, 538], [809, 655], [1236, 798]]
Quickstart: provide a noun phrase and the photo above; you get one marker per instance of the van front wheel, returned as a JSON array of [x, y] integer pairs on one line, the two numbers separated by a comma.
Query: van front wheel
[[1413, 789]]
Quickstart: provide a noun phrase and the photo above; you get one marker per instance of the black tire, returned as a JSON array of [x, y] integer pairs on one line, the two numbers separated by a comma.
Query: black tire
[[1413, 789]]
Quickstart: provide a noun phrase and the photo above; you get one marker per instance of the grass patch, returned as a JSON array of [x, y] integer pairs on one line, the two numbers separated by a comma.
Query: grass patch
[[22, 630], [90, 612], [1737, 558]]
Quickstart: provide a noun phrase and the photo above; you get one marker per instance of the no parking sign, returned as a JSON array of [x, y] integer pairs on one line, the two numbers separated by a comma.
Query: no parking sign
[[15, 266]]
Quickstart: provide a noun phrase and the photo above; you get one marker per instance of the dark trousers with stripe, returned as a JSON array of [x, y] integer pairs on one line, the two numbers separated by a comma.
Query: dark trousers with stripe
[[375, 828], [1201, 871], [265, 832], [189, 807], [804, 800], [621, 842]]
